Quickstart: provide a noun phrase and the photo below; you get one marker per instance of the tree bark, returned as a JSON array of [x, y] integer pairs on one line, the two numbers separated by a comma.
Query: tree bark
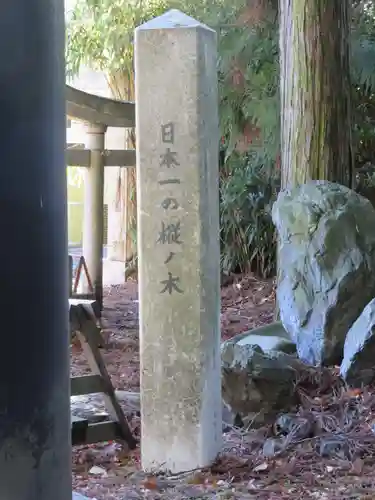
[[315, 91], [123, 248]]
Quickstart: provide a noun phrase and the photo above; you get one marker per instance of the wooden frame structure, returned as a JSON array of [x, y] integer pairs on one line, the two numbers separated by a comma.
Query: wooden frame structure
[[98, 113], [85, 309], [83, 324]]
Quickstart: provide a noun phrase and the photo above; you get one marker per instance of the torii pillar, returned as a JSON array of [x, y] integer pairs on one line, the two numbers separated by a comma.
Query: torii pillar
[[35, 449]]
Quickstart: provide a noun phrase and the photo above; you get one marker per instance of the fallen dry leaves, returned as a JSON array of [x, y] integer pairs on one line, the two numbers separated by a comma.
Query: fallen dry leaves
[[241, 471]]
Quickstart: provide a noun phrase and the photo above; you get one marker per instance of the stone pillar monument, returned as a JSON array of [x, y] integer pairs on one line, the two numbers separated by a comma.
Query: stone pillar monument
[[178, 242], [35, 451]]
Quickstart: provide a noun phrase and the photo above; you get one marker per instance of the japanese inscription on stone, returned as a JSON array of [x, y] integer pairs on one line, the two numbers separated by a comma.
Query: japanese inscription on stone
[[170, 231]]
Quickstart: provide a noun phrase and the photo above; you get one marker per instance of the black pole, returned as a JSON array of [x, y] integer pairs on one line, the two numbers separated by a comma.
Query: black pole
[[35, 446]]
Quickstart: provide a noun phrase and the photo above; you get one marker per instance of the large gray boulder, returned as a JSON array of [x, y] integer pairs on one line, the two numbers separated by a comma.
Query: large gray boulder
[[326, 265], [358, 365], [258, 385]]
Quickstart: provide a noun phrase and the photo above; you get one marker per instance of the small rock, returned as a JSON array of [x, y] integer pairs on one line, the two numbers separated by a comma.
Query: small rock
[[258, 385], [271, 337], [261, 467], [294, 426], [272, 447], [358, 367], [334, 447], [327, 263], [97, 471], [90, 407]]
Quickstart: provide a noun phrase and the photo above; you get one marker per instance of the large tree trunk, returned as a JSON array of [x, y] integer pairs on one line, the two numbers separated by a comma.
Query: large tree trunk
[[123, 247], [315, 91]]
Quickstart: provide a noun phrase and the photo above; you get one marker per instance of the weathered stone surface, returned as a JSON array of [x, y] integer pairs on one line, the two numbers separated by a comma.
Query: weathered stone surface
[[258, 385], [271, 337], [327, 265], [358, 365], [178, 245]]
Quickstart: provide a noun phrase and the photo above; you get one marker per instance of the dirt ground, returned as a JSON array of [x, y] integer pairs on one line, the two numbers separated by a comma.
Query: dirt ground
[[106, 471], [246, 303]]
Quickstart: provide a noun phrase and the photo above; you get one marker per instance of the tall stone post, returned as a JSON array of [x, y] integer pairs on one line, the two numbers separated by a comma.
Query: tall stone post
[[35, 450], [93, 218], [178, 242]]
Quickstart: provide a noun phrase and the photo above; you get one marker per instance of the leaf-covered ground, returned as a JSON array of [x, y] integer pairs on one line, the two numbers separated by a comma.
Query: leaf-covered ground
[[325, 451]]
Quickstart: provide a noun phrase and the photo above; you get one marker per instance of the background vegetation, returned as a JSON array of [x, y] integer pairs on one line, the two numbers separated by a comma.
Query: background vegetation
[[100, 35]]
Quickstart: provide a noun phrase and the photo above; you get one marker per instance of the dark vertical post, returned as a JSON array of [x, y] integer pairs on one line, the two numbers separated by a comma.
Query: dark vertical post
[[35, 445], [70, 288]]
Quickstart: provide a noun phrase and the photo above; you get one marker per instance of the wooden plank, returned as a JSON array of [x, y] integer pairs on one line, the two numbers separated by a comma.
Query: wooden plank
[[112, 158], [84, 432], [75, 419], [96, 363], [83, 296], [82, 266], [103, 431], [99, 110], [120, 158], [91, 304], [77, 157], [86, 384], [81, 315], [79, 428], [70, 275], [87, 303]]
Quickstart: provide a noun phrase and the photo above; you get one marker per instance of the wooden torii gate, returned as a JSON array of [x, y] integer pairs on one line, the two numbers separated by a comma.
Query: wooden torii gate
[[98, 113]]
